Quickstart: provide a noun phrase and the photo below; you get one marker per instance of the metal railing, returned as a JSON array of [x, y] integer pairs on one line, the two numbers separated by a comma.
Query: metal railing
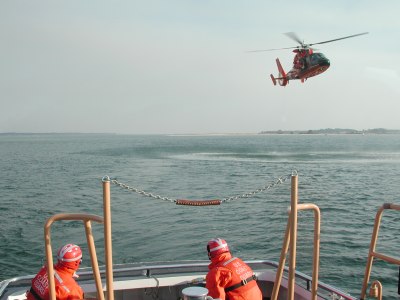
[[290, 240], [86, 218], [373, 254]]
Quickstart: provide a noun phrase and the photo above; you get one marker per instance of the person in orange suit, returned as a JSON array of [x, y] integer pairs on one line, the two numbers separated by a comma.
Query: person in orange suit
[[69, 259], [229, 277], [299, 61]]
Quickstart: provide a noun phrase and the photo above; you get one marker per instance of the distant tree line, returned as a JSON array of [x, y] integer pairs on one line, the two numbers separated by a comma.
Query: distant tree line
[[334, 131]]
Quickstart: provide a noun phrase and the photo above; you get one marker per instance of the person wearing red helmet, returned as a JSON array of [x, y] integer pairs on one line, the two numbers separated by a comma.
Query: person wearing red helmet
[[69, 259], [299, 61], [229, 277]]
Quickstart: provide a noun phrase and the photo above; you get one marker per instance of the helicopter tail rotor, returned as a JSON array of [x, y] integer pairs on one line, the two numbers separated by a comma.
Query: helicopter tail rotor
[[273, 79]]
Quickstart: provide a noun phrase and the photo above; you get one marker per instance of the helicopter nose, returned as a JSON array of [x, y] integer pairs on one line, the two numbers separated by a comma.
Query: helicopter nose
[[325, 63]]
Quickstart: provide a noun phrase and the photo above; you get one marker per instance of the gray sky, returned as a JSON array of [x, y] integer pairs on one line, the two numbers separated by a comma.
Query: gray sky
[[182, 67]]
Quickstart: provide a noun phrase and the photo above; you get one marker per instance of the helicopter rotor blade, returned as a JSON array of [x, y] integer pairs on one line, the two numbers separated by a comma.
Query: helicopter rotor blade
[[346, 37], [294, 37], [264, 50]]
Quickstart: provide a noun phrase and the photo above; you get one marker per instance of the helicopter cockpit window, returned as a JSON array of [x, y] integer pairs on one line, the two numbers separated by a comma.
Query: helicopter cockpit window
[[317, 57]]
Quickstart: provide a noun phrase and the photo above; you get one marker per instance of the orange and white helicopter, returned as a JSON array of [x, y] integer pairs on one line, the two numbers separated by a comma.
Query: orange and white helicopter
[[306, 63]]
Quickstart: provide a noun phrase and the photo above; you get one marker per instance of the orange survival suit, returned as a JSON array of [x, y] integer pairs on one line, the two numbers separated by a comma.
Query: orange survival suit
[[227, 279], [66, 286]]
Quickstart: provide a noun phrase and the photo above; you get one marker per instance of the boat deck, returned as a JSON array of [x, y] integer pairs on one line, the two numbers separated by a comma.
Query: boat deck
[[167, 280]]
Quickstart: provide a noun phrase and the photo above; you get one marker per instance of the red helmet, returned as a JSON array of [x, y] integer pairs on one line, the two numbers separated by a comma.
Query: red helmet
[[216, 247], [70, 256]]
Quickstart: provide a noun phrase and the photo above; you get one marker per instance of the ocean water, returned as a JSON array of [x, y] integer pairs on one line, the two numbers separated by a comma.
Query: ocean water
[[348, 176]]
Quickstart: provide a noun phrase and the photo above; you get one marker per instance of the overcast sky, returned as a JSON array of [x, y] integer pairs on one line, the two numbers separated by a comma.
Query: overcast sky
[[145, 67]]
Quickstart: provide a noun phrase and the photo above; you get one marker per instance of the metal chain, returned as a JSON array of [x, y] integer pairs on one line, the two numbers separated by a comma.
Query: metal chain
[[141, 192], [280, 180]]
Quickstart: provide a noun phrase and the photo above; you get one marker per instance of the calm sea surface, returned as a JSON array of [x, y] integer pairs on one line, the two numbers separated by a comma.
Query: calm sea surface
[[348, 176]]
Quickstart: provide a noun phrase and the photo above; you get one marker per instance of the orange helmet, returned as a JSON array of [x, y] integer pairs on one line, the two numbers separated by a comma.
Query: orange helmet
[[70, 256], [216, 247]]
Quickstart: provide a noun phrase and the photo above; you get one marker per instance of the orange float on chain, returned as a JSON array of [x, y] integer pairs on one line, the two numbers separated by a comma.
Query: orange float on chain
[[198, 202]]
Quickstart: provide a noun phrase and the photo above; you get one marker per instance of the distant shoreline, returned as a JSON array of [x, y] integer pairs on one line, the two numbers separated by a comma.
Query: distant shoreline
[[326, 131], [334, 131]]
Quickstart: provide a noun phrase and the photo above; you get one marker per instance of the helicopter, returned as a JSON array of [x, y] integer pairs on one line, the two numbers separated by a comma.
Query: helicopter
[[306, 63]]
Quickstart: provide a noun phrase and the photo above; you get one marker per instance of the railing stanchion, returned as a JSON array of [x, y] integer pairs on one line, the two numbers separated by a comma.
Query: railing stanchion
[[279, 271], [93, 258], [293, 236], [108, 238]]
